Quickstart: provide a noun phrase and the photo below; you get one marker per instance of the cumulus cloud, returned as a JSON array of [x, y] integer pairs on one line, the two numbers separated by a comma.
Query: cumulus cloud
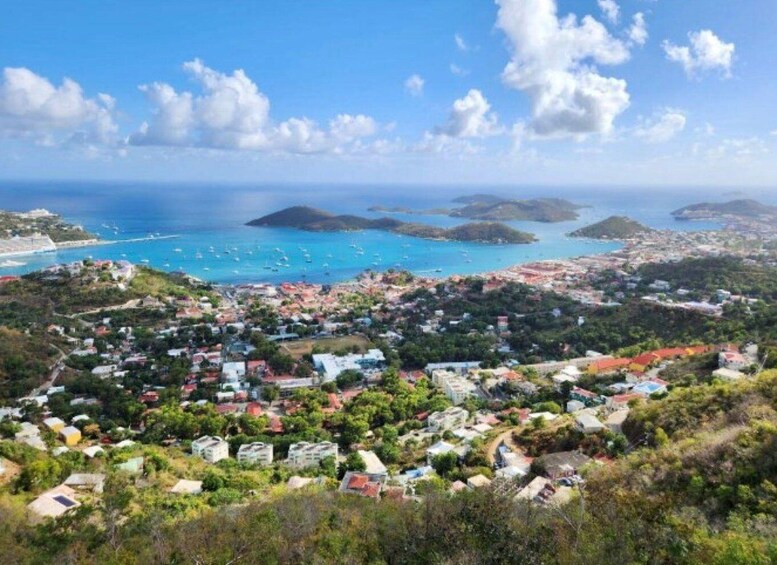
[[706, 52], [663, 127], [638, 32], [232, 113], [31, 106], [738, 149], [610, 10], [470, 116], [553, 62], [415, 85]]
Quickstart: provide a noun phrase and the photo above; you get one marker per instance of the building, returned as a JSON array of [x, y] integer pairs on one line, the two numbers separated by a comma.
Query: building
[[256, 453], [54, 424], [727, 374], [588, 423], [648, 388], [460, 367], [478, 481], [733, 360], [459, 390], [604, 366], [372, 463], [363, 484], [304, 454], [187, 487], [614, 421], [449, 419], [210, 448], [330, 366], [439, 448], [561, 464], [53, 503], [70, 435]]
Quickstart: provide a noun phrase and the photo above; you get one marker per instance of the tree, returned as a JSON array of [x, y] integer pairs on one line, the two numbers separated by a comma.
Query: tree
[[348, 378], [271, 392], [354, 462], [445, 463]]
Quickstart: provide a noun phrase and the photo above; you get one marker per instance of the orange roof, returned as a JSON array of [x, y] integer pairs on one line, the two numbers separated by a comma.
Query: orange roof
[[623, 398], [358, 482], [607, 364], [645, 359]]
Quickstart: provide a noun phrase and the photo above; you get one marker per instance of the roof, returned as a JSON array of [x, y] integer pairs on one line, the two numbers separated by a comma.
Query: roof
[[187, 487], [607, 364], [54, 502], [372, 463]]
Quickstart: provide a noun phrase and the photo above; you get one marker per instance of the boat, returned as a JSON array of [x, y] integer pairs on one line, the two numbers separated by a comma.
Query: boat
[[178, 250], [144, 260], [237, 258], [206, 268], [10, 263], [438, 270]]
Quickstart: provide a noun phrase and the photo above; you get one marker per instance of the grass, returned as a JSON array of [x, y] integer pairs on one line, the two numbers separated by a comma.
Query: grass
[[298, 349]]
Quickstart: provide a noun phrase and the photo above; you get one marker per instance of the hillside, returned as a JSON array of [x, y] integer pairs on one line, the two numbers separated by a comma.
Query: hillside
[[492, 208], [311, 219], [614, 227], [709, 210], [23, 224]]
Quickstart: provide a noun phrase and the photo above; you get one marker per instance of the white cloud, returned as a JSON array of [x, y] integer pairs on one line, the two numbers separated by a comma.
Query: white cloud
[[706, 52], [457, 70], [662, 128], [553, 63], [470, 116], [610, 10], [638, 32], [415, 85], [232, 113], [31, 106], [461, 45], [738, 149]]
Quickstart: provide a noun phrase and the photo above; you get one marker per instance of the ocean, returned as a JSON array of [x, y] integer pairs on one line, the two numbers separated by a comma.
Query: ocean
[[213, 243]]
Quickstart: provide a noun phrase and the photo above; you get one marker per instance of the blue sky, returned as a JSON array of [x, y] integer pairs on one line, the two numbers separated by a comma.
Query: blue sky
[[629, 92]]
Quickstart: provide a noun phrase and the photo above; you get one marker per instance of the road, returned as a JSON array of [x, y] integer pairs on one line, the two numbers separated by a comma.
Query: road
[[56, 370], [505, 437]]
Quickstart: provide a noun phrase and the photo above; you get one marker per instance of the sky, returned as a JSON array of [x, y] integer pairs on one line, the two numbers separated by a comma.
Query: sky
[[514, 92]]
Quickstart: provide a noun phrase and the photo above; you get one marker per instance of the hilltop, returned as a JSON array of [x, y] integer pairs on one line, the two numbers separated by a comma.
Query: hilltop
[[747, 208], [489, 207], [614, 227], [312, 219]]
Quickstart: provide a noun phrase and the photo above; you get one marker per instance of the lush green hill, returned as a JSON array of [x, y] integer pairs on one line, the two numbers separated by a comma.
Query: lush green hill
[[302, 217], [614, 227], [742, 207], [485, 207]]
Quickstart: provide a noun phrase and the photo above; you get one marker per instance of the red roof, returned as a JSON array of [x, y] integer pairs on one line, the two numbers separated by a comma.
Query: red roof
[[334, 402], [358, 481], [645, 359], [583, 392], [625, 398], [254, 409], [609, 364], [226, 408]]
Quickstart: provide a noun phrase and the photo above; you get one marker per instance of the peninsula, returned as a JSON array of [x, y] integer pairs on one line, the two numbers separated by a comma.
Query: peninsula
[[38, 231], [312, 219], [612, 228]]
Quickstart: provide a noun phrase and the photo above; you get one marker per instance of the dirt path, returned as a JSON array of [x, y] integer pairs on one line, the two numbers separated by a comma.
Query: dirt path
[[505, 437]]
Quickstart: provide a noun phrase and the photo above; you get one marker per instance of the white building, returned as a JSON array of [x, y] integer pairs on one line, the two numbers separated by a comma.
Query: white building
[[449, 419], [210, 448], [456, 388], [330, 366], [372, 463], [588, 423], [438, 448], [255, 453], [304, 454], [233, 372]]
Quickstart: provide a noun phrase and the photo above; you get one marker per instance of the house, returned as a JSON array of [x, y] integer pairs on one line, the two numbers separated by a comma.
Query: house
[[372, 463], [187, 487], [304, 454], [53, 503], [727, 374], [133, 466], [732, 360], [621, 401], [91, 482], [642, 363], [330, 366], [604, 366], [449, 419], [70, 435], [561, 464], [439, 448], [614, 421], [585, 396], [574, 406], [257, 453], [588, 423], [93, 451], [478, 481], [54, 424], [363, 484], [210, 448]]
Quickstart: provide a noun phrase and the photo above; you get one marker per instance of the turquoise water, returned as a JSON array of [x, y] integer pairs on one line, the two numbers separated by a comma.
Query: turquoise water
[[214, 244]]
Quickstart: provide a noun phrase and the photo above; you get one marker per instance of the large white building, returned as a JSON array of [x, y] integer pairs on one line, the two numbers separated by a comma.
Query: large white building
[[304, 454], [255, 453], [210, 448], [456, 388], [449, 419], [330, 366]]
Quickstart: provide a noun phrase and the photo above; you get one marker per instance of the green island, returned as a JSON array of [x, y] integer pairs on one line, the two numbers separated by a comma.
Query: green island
[[490, 207], [746, 208], [614, 227], [312, 219]]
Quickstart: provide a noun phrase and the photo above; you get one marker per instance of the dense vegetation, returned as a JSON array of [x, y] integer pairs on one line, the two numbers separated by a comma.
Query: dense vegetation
[[742, 207], [303, 217], [614, 227], [495, 208]]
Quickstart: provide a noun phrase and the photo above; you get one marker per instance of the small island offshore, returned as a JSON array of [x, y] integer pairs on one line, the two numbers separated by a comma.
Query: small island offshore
[[613, 228], [312, 219], [489, 207]]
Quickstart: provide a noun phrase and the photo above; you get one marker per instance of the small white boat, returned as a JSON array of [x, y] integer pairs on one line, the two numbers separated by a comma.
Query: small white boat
[[178, 250]]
